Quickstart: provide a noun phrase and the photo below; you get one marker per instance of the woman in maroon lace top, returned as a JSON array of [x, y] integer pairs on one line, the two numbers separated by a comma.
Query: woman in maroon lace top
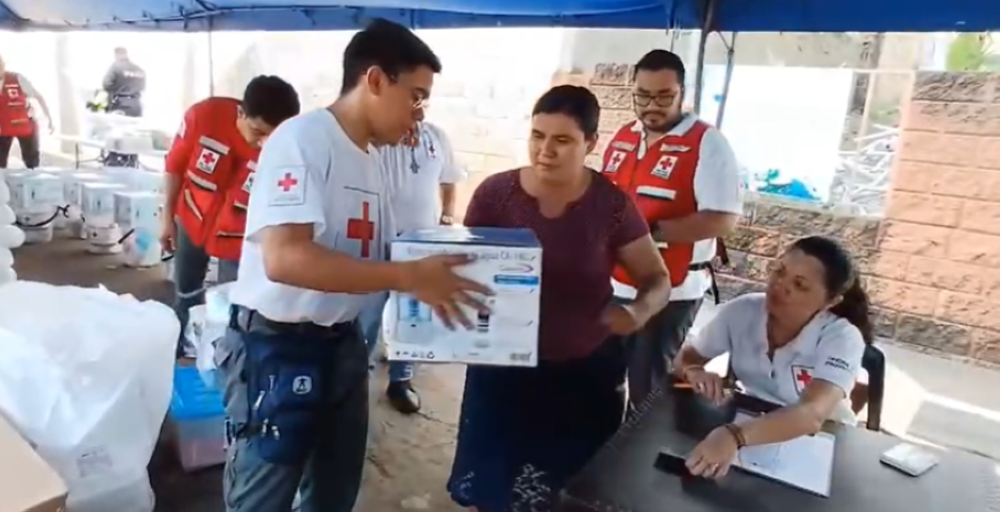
[[524, 431]]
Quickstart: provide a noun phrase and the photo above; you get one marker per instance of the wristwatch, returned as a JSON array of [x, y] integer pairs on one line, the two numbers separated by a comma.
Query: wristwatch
[[447, 220]]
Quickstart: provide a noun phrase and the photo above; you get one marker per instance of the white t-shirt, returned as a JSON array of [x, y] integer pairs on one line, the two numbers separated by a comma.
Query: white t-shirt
[[718, 187], [414, 176], [310, 172], [828, 348]]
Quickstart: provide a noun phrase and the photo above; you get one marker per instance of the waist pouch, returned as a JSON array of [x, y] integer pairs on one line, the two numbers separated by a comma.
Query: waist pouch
[[287, 387]]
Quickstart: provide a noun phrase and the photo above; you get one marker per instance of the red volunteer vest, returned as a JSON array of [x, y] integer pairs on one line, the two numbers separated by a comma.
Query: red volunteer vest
[[227, 240], [218, 162], [661, 183], [14, 106]]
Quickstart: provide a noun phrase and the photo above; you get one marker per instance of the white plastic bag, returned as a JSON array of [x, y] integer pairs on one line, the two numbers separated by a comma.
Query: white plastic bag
[[87, 375], [206, 325]]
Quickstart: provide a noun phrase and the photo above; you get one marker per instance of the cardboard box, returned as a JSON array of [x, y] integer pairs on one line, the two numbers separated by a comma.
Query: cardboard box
[[509, 261], [27, 483]]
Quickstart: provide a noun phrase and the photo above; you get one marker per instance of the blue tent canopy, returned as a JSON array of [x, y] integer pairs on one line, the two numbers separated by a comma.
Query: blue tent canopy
[[291, 15]]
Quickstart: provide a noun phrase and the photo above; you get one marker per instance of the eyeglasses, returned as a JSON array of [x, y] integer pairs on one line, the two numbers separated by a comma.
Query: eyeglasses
[[643, 100], [420, 101]]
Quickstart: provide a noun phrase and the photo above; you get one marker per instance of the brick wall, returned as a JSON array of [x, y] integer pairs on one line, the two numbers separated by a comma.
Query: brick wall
[[932, 265]]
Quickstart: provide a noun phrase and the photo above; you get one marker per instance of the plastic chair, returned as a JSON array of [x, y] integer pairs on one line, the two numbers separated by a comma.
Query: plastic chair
[[871, 394]]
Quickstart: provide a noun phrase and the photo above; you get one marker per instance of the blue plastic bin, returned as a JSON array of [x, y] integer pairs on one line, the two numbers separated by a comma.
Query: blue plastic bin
[[199, 415]]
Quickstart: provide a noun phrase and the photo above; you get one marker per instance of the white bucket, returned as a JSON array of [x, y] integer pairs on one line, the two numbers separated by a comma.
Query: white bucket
[[103, 239], [38, 226]]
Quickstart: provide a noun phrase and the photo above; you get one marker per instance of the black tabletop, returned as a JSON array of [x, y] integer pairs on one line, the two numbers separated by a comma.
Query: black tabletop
[[622, 477]]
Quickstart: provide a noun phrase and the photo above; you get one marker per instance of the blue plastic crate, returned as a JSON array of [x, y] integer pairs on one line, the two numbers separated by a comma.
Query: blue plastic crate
[[193, 399], [198, 414]]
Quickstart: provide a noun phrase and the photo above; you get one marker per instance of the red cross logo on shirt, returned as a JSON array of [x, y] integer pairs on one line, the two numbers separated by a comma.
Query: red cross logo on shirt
[[362, 229], [288, 182], [208, 158], [802, 376]]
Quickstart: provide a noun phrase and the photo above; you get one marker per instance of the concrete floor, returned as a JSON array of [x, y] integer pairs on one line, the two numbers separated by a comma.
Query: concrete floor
[[929, 398]]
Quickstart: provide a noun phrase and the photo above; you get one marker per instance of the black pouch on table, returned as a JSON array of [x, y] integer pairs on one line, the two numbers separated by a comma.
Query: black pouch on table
[[286, 388]]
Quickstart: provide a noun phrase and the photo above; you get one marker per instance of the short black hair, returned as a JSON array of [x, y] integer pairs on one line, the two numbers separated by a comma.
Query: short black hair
[[390, 46], [659, 60], [270, 99], [571, 101]]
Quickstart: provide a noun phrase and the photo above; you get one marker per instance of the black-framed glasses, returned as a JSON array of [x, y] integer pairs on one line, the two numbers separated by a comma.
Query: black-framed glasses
[[643, 100]]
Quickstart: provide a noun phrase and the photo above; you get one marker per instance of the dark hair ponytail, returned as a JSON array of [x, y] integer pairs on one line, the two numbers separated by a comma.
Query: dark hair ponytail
[[841, 279], [854, 308]]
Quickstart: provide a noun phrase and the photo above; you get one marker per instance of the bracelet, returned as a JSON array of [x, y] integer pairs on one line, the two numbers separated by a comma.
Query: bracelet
[[737, 433]]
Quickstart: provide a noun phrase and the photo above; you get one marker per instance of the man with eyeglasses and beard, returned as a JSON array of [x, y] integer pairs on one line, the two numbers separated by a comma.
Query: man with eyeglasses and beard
[[685, 179]]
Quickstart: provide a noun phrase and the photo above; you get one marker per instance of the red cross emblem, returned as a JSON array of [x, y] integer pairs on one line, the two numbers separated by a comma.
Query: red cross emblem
[[362, 229], [207, 160], [288, 182], [617, 157], [802, 376]]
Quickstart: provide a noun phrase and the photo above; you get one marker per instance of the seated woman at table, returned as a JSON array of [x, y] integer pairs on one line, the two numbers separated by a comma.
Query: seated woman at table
[[524, 431], [799, 344]]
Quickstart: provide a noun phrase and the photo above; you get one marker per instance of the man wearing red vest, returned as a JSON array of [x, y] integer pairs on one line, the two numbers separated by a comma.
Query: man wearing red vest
[[209, 172], [17, 118], [685, 179]]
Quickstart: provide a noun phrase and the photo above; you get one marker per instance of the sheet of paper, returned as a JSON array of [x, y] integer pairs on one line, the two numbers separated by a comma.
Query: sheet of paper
[[805, 463]]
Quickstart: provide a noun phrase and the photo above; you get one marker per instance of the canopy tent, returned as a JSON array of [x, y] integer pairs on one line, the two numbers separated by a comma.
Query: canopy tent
[[295, 15]]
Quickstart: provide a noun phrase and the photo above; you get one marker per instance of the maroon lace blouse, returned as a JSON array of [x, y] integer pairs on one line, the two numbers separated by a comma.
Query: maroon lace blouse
[[579, 251]]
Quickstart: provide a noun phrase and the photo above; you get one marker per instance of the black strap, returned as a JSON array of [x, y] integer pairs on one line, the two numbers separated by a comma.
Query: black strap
[[707, 265], [246, 319]]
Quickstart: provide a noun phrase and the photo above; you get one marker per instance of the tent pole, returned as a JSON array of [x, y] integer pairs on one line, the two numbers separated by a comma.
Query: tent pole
[[211, 61], [706, 29], [730, 64]]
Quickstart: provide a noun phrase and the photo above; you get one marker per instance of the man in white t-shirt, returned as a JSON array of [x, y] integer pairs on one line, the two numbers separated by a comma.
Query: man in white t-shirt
[[685, 179], [293, 362], [421, 174]]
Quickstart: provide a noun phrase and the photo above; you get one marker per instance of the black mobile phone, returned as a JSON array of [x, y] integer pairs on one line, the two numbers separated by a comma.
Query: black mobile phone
[[673, 464]]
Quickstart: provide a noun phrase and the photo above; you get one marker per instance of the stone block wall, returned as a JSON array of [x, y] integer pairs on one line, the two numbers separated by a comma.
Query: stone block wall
[[932, 265]]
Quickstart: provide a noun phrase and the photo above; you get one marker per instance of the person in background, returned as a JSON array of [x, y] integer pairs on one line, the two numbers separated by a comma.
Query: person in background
[[294, 365], [684, 177], [421, 174], [18, 119], [209, 173], [799, 345], [124, 82], [524, 431]]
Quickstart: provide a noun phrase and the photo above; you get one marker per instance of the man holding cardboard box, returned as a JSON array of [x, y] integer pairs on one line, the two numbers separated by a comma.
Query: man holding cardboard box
[[293, 361]]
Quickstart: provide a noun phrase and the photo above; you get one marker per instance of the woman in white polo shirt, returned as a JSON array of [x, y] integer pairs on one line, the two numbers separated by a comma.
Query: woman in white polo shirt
[[799, 345]]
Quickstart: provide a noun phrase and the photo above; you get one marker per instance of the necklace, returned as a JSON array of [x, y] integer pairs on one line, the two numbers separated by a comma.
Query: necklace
[[414, 165]]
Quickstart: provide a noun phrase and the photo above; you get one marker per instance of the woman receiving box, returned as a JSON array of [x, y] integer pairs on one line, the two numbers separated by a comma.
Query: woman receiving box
[[524, 431]]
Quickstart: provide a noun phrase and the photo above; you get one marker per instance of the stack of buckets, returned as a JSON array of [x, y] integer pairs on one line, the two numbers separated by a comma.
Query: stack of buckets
[[37, 200], [11, 236]]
